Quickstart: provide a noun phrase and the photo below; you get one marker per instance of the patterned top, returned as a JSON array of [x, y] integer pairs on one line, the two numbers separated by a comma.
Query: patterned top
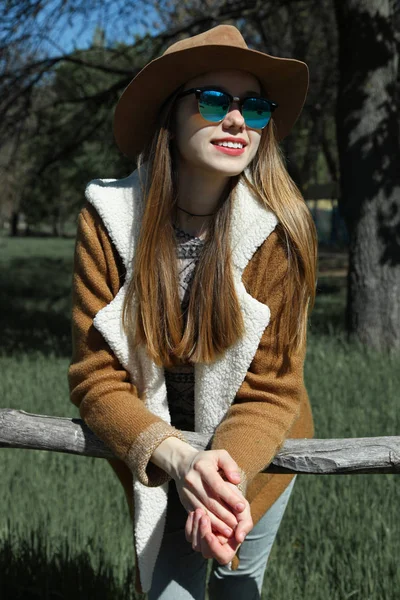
[[180, 379]]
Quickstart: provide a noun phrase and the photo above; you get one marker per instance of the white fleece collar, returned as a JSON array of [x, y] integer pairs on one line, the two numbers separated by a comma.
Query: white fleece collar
[[120, 206]]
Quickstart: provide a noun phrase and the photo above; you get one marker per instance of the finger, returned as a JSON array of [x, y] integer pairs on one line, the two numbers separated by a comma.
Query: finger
[[245, 525], [189, 527], [217, 502], [224, 525], [205, 529], [207, 472], [223, 554], [221, 489], [197, 516], [217, 507], [220, 527], [242, 504], [221, 538], [197, 540], [233, 476], [229, 467], [240, 536]]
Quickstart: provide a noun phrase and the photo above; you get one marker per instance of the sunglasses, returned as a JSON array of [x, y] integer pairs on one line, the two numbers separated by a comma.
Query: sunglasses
[[214, 104]]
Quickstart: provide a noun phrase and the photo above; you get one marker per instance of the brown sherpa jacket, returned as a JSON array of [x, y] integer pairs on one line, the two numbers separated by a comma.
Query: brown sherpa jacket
[[268, 401]]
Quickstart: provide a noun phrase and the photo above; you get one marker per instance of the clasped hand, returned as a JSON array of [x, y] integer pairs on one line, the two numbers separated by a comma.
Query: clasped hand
[[219, 515]]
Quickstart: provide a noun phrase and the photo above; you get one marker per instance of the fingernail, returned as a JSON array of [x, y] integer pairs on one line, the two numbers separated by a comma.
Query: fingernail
[[240, 506], [228, 532], [241, 536]]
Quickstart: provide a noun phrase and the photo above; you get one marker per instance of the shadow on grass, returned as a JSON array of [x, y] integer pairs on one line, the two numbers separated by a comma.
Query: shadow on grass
[[35, 306], [27, 574]]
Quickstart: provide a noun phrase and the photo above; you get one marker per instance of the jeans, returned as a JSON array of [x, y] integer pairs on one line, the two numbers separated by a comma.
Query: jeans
[[180, 572]]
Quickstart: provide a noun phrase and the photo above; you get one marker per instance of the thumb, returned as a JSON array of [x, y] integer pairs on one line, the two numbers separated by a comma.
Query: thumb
[[228, 469], [233, 476]]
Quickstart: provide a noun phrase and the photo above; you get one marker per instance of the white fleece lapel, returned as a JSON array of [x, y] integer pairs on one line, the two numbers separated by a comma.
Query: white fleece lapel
[[119, 204]]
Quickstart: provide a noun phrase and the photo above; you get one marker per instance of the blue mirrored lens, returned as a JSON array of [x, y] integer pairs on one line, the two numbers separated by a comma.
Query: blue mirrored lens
[[256, 112], [213, 105]]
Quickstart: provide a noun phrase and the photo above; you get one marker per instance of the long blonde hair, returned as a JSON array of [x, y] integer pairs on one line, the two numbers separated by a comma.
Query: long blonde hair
[[152, 312]]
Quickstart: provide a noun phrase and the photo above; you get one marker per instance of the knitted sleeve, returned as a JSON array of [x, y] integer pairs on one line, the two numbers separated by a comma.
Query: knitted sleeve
[[269, 400], [99, 386]]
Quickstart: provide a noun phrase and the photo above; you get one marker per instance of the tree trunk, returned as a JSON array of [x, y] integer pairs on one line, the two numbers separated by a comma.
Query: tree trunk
[[14, 220], [56, 230], [369, 148]]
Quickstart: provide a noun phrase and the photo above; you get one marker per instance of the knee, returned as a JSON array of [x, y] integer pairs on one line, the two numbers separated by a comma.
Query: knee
[[228, 584]]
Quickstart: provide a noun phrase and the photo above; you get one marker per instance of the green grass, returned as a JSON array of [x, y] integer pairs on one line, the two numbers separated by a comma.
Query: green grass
[[35, 296], [65, 530]]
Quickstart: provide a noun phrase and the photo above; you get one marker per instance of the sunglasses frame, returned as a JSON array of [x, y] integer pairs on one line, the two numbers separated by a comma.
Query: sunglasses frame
[[197, 91]]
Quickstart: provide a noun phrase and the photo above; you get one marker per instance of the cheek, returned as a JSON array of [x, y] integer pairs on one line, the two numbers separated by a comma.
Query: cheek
[[255, 143], [184, 130], [186, 122], [191, 139], [186, 142]]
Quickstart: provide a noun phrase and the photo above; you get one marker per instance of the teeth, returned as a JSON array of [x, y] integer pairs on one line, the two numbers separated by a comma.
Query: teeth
[[230, 144]]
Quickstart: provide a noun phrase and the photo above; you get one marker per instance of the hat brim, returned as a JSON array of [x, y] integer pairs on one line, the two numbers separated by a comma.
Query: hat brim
[[285, 81]]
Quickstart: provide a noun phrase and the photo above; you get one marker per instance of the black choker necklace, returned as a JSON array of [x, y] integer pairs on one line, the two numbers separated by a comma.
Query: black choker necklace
[[193, 215]]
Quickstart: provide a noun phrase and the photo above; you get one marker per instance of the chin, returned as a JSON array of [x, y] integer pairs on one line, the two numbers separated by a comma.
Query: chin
[[230, 171], [229, 168]]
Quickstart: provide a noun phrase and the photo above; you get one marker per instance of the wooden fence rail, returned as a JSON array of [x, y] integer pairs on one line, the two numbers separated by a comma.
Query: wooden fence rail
[[343, 456]]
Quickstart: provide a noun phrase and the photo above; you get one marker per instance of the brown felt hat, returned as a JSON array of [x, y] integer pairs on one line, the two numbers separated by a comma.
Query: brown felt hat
[[285, 81]]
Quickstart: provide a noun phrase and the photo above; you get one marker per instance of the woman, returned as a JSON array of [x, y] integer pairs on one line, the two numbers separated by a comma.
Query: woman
[[192, 283]]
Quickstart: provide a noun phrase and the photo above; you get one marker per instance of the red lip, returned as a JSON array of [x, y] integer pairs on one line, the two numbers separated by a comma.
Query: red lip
[[230, 139], [227, 150]]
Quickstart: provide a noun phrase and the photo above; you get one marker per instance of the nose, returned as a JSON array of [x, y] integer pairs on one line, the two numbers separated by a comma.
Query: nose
[[234, 117]]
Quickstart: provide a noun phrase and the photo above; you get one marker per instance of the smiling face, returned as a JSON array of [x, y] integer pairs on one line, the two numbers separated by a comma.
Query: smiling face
[[194, 137]]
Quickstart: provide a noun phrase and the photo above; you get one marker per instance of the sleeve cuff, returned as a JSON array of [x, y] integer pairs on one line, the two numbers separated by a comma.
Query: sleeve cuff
[[242, 486], [139, 454]]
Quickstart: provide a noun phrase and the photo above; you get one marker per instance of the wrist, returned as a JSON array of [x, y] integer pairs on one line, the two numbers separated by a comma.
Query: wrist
[[171, 455]]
